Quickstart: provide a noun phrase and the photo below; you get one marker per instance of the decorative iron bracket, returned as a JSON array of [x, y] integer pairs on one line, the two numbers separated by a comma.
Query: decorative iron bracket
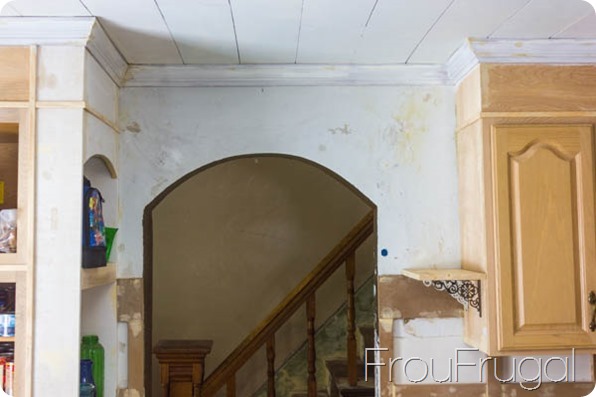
[[466, 292]]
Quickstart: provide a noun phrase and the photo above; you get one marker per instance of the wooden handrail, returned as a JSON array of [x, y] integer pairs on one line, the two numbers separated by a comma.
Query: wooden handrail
[[296, 298]]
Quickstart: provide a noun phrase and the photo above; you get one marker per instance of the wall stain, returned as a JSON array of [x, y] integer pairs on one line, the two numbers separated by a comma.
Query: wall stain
[[134, 127], [345, 130], [322, 148], [407, 129]]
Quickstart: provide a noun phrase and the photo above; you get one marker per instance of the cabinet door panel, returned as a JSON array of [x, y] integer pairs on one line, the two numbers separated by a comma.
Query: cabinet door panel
[[544, 190]]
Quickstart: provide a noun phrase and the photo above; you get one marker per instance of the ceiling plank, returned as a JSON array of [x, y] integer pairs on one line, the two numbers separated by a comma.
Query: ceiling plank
[[202, 29], [542, 19], [395, 28], [137, 29], [9, 11], [584, 29], [331, 30], [465, 18], [267, 29], [54, 8]]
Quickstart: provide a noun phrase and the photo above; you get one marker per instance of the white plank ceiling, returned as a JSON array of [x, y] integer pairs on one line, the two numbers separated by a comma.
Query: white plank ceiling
[[314, 31]]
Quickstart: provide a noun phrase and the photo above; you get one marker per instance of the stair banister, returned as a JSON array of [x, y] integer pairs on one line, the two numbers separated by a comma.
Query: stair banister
[[302, 294]]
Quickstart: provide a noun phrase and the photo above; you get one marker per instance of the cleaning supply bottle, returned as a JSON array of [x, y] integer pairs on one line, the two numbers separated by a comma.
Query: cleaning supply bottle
[[91, 349], [87, 386]]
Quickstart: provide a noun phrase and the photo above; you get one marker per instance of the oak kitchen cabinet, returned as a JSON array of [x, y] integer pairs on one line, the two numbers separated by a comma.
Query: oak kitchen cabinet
[[527, 170]]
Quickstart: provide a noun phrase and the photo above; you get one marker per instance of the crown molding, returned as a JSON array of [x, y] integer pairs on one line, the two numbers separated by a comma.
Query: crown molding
[[549, 51], [68, 31], [101, 47], [45, 30], [283, 75]]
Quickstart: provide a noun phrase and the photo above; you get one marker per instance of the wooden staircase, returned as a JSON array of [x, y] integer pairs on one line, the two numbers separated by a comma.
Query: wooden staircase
[[346, 376]]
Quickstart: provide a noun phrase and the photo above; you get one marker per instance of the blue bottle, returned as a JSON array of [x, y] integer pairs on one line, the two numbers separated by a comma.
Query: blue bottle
[[87, 388]]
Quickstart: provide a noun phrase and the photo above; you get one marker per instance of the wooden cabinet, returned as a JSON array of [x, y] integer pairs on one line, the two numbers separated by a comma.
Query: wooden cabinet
[[527, 210], [544, 218]]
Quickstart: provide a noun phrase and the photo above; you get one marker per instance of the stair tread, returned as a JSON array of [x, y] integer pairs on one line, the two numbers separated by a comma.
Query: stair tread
[[320, 393], [358, 391], [338, 368]]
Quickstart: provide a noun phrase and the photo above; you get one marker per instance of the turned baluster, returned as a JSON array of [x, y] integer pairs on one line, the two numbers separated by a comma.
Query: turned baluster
[[271, 367], [351, 337], [311, 353]]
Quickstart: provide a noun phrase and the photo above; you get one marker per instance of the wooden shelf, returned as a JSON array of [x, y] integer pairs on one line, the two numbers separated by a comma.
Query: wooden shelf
[[443, 275], [4, 339], [91, 278]]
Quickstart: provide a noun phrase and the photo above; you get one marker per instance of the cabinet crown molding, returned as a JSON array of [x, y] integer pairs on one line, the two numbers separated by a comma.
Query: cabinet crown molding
[[506, 51]]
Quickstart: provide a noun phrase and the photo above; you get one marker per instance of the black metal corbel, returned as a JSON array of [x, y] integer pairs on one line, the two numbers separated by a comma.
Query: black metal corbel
[[466, 292]]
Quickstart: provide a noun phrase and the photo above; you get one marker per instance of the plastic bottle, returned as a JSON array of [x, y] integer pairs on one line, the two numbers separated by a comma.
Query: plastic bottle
[[87, 387], [91, 349]]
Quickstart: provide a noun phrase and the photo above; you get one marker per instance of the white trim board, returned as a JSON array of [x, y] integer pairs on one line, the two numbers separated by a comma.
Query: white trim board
[[283, 75]]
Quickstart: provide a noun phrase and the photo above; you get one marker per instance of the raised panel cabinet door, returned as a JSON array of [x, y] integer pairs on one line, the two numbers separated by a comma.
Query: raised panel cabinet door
[[543, 183]]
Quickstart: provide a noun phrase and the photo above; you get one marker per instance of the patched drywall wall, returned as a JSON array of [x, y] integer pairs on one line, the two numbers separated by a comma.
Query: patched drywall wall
[[395, 144]]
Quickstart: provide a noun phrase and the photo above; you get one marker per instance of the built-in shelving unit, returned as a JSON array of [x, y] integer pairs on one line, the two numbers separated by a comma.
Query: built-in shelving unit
[[17, 177], [91, 278]]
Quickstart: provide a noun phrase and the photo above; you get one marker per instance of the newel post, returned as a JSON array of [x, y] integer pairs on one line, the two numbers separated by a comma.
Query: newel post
[[182, 366]]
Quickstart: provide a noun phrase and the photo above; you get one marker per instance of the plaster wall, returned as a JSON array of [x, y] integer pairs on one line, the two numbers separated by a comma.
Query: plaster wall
[[394, 144]]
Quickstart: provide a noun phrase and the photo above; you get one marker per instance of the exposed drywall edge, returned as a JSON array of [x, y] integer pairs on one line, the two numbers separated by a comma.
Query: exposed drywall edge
[[45, 31], [541, 51], [106, 54], [284, 75]]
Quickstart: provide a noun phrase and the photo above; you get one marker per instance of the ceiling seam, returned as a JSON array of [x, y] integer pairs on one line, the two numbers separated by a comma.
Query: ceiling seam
[[299, 33], [570, 25], [509, 18], [235, 32], [85, 6], [163, 17], [429, 30], [372, 11]]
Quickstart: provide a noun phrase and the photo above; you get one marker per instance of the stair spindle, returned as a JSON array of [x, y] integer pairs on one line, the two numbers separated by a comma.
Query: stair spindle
[[311, 354], [351, 338], [231, 386], [271, 366]]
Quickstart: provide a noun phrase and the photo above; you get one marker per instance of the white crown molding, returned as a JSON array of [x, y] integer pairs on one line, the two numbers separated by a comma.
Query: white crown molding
[[69, 31], [549, 51], [283, 75], [461, 63], [107, 55], [45, 30]]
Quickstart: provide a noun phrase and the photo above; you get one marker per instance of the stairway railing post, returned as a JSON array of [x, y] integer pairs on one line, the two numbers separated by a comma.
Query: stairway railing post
[[311, 354], [182, 364], [351, 334], [271, 366]]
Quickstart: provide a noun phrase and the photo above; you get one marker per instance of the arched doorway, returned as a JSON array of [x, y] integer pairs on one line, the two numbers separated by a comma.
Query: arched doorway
[[226, 242]]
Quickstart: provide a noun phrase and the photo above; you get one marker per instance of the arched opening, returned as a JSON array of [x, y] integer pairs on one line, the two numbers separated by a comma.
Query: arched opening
[[224, 244]]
